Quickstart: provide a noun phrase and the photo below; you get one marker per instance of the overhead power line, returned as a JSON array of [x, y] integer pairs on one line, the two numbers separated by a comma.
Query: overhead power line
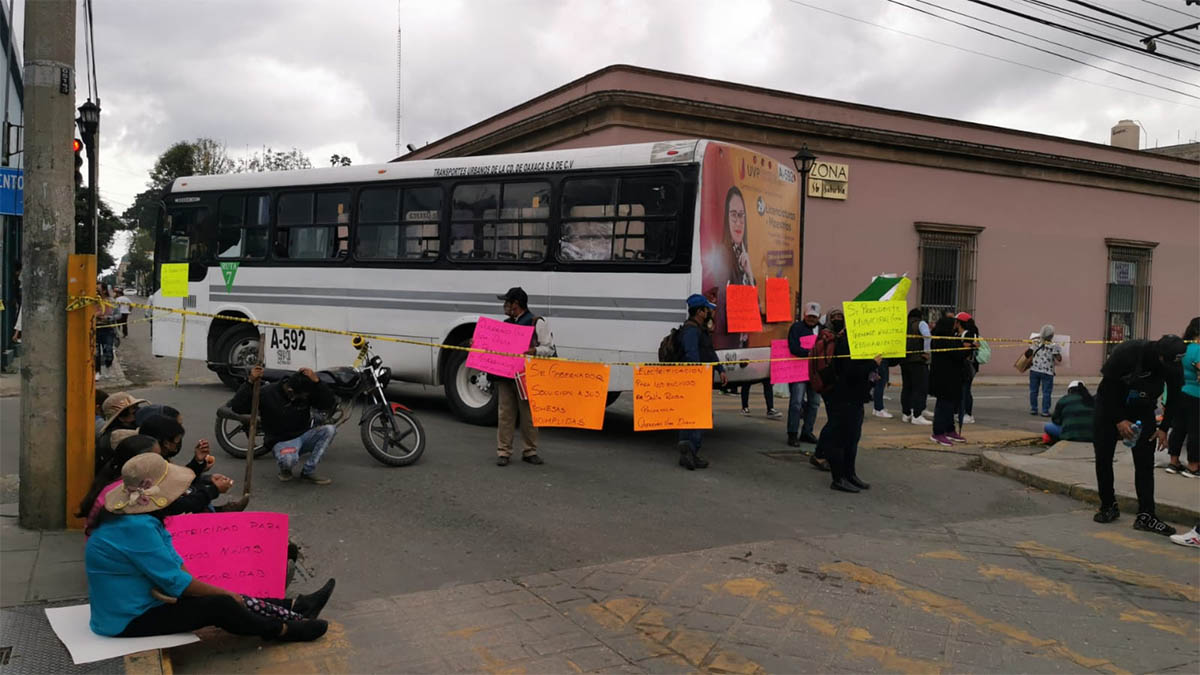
[[1134, 20], [1171, 9], [1047, 51], [989, 56], [1084, 33], [1099, 21]]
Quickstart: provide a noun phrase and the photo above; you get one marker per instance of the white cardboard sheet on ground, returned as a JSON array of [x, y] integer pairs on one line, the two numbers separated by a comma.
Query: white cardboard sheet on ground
[[71, 625]]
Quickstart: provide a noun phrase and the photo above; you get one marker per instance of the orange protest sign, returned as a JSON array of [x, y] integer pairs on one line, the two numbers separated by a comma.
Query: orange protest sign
[[741, 309], [779, 300], [672, 397], [566, 393]]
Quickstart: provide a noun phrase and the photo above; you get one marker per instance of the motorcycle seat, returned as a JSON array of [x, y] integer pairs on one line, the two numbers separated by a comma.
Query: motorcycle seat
[[339, 377]]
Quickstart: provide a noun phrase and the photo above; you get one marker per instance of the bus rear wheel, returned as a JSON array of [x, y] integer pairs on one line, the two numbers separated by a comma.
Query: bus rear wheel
[[470, 392], [237, 349]]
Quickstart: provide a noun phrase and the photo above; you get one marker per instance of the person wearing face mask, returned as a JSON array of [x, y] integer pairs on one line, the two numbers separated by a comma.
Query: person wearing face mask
[[1132, 381], [695, 346], [835, 329], [286, 408]]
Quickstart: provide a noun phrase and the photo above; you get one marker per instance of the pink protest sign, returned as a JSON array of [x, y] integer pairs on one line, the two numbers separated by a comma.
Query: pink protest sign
[[498, 336], [241, 552], [786, 372]]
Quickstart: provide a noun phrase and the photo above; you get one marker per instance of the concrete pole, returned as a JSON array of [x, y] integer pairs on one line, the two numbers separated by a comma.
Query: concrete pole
[[49, 236]]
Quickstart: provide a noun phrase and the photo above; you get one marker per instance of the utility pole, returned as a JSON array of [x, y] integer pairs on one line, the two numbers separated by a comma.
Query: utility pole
[[49, 236]]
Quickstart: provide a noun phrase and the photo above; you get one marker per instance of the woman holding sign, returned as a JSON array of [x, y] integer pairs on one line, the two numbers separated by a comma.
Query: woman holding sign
[[138, 585]]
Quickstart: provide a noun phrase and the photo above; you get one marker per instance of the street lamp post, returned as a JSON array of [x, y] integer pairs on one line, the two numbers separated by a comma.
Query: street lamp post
[[89, 128], [803, 160]]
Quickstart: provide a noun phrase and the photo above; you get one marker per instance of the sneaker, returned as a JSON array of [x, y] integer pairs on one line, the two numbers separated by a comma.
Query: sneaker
[[315, 479], [1188, 473], [774, 414], [1107, 514], [1033, 412], [1149, 523], [884, 414], [941, 439], [1175, 468], [1046, 414], [955, 437], [968, 419], [1190, 538], [927, 414], [745, 412], [921, 421], [285, 474], [906, 418]]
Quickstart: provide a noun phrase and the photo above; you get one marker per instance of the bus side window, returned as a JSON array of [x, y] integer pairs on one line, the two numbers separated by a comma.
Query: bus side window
[[313, 226], [242, 226]]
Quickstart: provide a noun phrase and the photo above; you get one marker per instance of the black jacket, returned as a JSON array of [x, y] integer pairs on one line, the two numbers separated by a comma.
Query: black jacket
[[282, 418], [853, 376], [1132, 382], [696, 345], [798, 330], [947, 371]]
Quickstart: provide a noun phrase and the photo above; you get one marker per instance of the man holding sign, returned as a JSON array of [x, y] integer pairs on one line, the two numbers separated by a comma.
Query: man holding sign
[[509, 404]]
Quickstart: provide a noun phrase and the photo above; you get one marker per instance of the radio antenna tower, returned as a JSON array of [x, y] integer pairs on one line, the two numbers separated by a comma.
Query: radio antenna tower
[[399, 114]]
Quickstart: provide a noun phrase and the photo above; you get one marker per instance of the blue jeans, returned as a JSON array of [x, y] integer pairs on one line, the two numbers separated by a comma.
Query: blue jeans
[[1052, 430], [1046, 382], [881, 385], [105, 341], [312, 443], [692, 436], [803, 404]]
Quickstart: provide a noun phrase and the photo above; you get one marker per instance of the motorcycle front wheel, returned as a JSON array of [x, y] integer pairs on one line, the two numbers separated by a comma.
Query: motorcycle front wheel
[[394, 437]]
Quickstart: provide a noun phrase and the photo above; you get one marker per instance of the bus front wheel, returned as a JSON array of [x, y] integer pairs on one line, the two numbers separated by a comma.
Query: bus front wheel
[[469, 391]]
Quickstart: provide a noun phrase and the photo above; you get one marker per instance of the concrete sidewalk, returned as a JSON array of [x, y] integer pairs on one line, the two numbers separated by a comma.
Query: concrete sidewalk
[[1069, 468], [1041, 594]]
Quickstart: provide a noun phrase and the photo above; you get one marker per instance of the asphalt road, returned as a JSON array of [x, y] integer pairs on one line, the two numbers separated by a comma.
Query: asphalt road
[[601, 496]]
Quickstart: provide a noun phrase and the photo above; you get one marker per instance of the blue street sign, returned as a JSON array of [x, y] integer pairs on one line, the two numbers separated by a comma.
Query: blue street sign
[[12, 191]]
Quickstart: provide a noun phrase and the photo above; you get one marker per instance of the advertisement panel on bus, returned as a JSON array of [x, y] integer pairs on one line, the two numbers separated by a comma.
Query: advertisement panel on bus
[[749, 231]]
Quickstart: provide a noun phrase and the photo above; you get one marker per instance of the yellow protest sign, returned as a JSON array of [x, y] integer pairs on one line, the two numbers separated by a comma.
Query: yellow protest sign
[[672, 397], [566, 393], [875, 328], [174, 280]]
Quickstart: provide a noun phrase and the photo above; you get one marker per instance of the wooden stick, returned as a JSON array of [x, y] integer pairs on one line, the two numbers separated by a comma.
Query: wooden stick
[[253, 431]]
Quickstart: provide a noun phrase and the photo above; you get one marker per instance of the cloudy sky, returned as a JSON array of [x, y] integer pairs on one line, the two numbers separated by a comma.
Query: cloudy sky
[[321, 75]]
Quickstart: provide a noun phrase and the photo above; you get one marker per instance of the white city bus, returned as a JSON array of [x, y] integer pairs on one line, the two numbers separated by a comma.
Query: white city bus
[[608, 242]]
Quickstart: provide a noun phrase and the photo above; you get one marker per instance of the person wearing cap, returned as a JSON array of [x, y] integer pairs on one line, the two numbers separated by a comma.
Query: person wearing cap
[[1045, 353], [803, 402], [510, 406], [852, 389], [1073, 416], [1132, 381], [696, 346], [120, 413], [138, 585], [914, 370]]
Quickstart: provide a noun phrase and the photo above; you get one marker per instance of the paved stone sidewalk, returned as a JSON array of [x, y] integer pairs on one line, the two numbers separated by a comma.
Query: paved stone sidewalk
[[1041, 594]]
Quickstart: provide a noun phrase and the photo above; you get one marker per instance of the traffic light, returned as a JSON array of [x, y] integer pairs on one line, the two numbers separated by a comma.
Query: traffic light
[[78, 164]]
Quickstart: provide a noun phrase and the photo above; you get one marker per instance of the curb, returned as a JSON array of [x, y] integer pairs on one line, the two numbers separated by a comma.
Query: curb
[[1083, 492], [151, 662]]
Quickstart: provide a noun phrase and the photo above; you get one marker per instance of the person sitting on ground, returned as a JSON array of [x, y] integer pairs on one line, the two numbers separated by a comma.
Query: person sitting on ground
[[120, 413], [286, 410], [1073, 416], [147, 411], [138, 585], [196, 499], [101, 396], [169, 434]]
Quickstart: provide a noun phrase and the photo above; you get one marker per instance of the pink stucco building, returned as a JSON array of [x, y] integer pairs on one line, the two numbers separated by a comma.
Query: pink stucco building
[[1019, 229]]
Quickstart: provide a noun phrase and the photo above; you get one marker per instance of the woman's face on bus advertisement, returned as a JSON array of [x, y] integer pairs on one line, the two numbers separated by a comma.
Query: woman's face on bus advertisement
[[736, 217]]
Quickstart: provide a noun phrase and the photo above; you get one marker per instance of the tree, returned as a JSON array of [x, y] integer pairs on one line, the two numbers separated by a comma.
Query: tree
[[141, 258], [339, 160], [107, 226], [200, 157], [273, 160]]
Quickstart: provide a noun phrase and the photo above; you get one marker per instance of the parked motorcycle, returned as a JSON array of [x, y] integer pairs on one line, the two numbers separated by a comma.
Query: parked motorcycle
[[390, 431]]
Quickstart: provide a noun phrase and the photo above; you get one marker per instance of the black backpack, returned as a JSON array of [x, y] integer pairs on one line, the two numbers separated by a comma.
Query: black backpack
[[668, 348]]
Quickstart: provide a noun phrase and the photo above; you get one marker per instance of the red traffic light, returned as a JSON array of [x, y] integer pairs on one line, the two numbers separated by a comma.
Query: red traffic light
[[78, 145]]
